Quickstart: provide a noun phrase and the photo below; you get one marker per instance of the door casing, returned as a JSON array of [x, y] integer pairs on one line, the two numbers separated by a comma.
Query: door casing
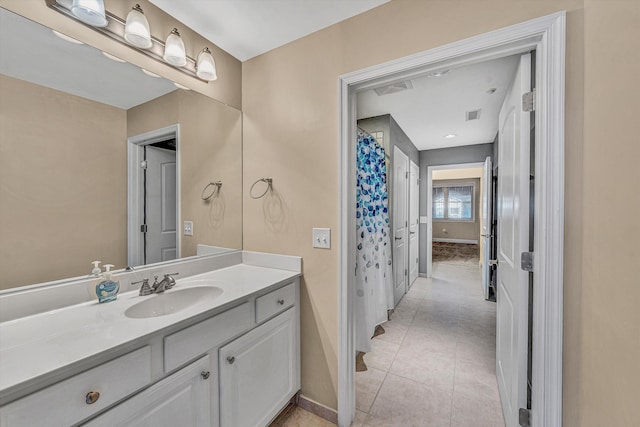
[[546, 35]]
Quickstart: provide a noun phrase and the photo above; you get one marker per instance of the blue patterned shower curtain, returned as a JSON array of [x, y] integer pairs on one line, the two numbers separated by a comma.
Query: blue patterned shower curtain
[[374, 288]]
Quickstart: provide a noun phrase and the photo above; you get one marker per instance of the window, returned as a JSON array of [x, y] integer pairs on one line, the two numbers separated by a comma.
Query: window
[[453, 202]]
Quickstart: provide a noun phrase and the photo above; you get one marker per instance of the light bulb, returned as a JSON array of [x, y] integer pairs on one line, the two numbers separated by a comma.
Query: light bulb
[[136, 30], [90, 12], [174, 52], [206, 66]]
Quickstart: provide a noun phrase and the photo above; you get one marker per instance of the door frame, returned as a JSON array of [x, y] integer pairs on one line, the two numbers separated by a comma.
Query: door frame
[[430, 170], [546, 35], [394, 204], [135, 190], [417, 224]]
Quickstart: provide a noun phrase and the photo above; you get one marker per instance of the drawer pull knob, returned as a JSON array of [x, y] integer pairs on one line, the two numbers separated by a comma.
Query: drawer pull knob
[[231, 359], [91, 397], [281, 301], [205, 375]]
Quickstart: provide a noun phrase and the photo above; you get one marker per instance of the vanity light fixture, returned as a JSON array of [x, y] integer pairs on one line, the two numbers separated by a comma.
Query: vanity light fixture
[[90, 12], [136, 29], [149, 73], [206, 66], [113, 58], [450, 136], [66, 37], [174, 52]]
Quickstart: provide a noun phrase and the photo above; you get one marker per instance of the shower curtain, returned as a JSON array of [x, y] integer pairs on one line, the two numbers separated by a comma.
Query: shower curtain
[[374, 289]]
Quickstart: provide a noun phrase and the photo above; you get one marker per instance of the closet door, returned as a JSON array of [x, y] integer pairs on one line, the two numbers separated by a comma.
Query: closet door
[[414, 174], [400, 224]]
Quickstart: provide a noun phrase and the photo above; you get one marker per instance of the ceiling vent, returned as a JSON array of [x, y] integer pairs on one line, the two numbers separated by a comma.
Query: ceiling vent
[[473, 115], [394, 88]]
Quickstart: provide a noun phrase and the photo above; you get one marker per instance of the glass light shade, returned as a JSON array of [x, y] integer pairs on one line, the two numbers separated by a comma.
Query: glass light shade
[[90, 12], [174, 52], [136, 30], [206, 66]]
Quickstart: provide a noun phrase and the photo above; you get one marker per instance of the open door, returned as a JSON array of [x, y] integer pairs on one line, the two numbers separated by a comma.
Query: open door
[[485, 236], [161, 215], [400, 224], [414, 173], [513, 234]]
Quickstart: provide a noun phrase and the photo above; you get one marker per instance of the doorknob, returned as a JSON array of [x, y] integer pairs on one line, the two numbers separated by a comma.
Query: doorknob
[[398, 238], [412, 232], [486, 235]]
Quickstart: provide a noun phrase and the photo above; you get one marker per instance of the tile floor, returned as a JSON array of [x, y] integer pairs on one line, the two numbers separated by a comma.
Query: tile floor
[[435, 365], [298, 417]]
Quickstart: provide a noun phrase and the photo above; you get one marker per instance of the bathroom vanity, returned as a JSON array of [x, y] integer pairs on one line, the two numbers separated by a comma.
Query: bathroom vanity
[[219, 349]]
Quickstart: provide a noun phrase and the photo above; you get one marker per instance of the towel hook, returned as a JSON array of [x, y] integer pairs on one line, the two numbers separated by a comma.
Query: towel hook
[[215, 190], [269, 183]]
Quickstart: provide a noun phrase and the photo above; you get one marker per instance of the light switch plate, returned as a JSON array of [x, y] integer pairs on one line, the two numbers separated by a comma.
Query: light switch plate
[[188, 228], [423, 220], [322, 238]]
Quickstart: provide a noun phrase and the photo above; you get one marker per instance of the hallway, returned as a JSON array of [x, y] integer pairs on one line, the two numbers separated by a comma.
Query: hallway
[[435, 364]]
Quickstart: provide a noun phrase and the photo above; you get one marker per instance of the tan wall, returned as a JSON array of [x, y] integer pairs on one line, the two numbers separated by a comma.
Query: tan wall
[[210, 150], [290, 110], [226, 89], [610, 372], [56, 219], [464, 230]]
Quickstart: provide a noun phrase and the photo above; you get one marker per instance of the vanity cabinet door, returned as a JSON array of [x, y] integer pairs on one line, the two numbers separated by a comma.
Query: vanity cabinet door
[[259, 372], [182, 399]]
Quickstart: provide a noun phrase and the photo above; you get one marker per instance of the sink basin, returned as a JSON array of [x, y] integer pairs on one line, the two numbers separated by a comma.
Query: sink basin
[[172, 301]]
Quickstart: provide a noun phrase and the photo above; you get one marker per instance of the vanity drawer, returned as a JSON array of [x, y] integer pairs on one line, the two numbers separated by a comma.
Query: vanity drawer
[[189, 343], [275, 302], [68, 401]]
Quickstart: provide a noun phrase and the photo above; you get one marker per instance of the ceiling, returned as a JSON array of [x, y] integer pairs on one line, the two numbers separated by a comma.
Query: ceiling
[[437, 106], [248, 28], [31, 52]]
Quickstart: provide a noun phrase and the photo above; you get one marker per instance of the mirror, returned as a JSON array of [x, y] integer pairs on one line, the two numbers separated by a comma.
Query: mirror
[[80, 136]]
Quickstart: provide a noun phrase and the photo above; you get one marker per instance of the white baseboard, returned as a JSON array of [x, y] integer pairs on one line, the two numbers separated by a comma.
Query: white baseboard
[[470, 242]]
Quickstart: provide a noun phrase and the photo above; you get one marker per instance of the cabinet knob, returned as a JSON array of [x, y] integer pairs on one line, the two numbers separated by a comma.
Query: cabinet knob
[[205, 375], [281, 301], [231, 359], [91, 397]]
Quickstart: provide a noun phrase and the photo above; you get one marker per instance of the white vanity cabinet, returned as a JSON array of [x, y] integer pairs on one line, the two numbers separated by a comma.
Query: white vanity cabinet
[[181, 399], [260, 371]]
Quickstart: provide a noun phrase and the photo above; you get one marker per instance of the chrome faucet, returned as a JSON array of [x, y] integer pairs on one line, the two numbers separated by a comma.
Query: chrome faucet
[[145, 289], [166, 283]]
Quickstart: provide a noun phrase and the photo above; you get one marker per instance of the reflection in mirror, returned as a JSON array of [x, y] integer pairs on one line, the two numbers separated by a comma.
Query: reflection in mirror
[[91, 147]]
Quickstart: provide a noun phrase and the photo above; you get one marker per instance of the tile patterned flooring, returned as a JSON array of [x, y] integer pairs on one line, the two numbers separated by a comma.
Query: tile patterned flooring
[[435, 365]]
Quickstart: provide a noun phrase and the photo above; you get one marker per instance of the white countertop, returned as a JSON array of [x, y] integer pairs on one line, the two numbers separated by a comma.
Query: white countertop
[[33, 346]]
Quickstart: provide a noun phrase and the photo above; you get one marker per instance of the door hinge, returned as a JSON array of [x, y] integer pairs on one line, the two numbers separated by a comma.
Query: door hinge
[[529, 101], [526, 261], [143, 164], [524, 416], [406, 175], [143, 228], [406, 271], [493, 262]]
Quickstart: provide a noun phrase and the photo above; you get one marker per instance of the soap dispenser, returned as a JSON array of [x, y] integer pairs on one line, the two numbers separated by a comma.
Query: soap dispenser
[[96, 269], [107, 289]]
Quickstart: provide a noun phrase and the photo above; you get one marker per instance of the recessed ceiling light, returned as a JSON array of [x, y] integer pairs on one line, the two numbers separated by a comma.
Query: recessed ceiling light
[[66, 37], [438, 73], [491, 90], [179, 86], [451, 135], [149, 73], [113, 58]]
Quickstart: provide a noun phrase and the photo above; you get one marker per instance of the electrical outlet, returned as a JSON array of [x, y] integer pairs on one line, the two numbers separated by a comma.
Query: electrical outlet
[[322, 238], [188, 228]]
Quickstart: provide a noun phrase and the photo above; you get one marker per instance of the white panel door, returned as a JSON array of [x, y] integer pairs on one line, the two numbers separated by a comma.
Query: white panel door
[[414, 174], [513, 239], [400, 224], [161, 205], [259, 373], [485, 236], [182, 399]]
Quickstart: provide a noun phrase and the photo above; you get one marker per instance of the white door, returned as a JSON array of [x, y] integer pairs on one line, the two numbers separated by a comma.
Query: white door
[[513, 239], [414, 174], [161, 244], [400, 223], [259, 373], [182, 399], [485, 235]]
